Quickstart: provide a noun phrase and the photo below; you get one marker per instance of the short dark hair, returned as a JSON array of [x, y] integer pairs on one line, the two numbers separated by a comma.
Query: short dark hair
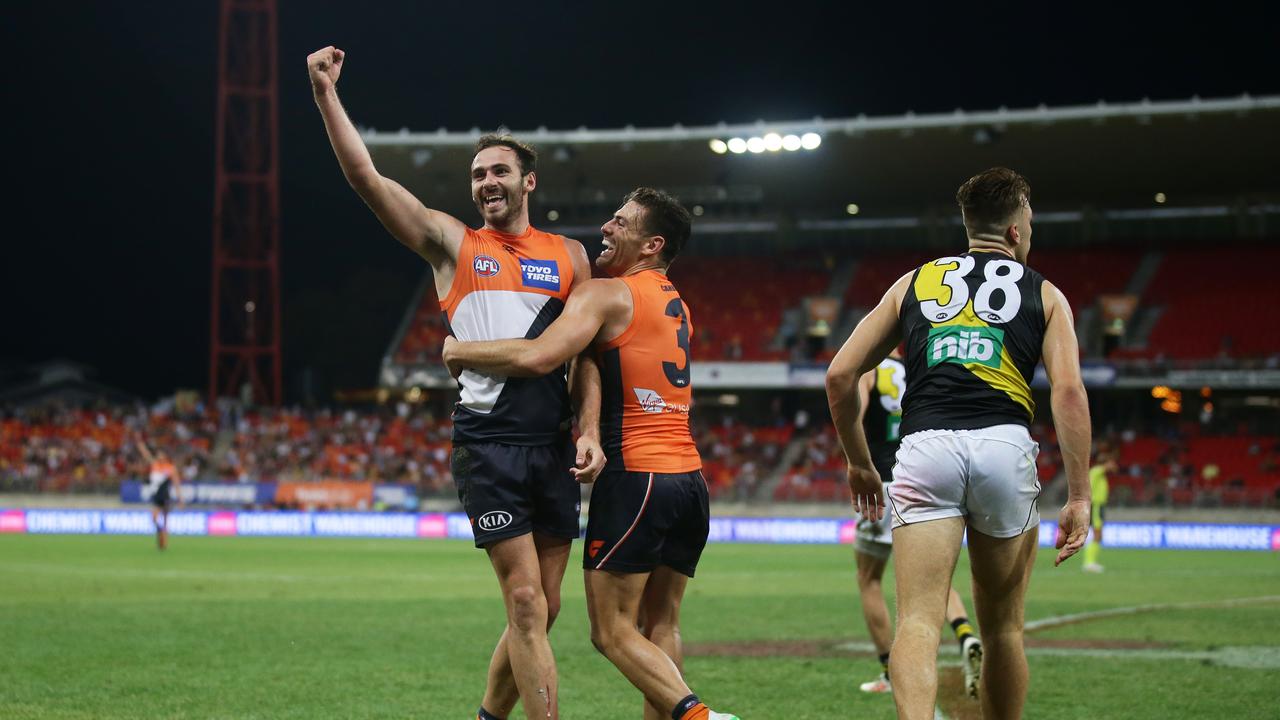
[[990, 198], [665, 216], [525, 153]]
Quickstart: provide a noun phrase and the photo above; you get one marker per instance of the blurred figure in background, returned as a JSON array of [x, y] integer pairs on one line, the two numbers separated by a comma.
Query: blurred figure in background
[[164, 484]]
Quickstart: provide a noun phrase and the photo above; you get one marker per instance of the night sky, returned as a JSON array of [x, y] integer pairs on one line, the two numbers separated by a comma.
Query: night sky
[[110, 128]]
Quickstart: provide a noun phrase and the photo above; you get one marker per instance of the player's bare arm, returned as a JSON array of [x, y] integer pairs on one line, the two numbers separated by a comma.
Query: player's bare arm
[[584, 392], [434, 235], [144, 450], [589, 311], [1070, 418], [872, 340]]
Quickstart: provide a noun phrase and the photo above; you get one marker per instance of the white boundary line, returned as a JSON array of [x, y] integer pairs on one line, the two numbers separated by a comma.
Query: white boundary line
[[1060, 620]]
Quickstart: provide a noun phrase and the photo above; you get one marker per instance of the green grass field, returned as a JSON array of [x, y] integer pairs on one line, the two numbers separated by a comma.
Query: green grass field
[[107, 627]]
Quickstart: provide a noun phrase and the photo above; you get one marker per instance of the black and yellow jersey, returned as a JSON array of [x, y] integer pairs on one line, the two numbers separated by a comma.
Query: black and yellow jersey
[[973, 325], [883, 415]]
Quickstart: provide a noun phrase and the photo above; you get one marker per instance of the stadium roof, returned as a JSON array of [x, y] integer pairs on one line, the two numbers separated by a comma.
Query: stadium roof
[[1102, 155]]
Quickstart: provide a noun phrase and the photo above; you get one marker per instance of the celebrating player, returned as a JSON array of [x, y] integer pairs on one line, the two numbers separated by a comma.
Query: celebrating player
[[649, 516], [511, 444], [163, 485]]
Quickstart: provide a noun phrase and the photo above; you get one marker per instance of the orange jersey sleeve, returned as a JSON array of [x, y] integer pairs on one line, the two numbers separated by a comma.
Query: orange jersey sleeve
[[645, 382]]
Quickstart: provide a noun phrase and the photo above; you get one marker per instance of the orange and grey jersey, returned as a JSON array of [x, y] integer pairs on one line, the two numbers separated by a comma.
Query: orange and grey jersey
[[645, 390], [974, 327], [509, 286], [159, 472]]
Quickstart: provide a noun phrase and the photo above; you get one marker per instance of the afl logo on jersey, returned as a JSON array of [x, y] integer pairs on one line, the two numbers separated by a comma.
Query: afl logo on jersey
[[485, 266], [494, 520]]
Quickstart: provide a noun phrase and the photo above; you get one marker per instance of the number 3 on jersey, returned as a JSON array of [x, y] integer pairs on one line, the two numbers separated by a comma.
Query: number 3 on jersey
[[944, 279], [676, 375]]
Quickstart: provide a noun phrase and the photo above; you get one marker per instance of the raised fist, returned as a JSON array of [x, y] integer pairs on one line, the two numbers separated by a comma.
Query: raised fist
[[324, 66]]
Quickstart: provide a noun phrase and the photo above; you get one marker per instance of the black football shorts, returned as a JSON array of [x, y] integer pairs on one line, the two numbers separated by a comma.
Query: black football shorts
[[511, 490], [639, 521]]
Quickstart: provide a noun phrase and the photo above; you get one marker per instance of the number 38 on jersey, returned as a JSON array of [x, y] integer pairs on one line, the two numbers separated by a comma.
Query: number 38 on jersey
[[943, 291]]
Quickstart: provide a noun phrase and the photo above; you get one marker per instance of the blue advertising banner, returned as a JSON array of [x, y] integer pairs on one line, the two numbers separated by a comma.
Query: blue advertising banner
[[197, 493], [775, 530]]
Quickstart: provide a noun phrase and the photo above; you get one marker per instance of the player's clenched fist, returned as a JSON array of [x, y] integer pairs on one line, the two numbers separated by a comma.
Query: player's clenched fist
[[324, 67]]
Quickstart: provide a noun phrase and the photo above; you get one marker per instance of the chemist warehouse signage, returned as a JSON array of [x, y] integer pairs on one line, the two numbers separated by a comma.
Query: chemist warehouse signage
[[825, 531]]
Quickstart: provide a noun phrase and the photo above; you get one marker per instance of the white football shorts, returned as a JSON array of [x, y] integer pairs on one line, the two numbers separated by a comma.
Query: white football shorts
[[987, 476]]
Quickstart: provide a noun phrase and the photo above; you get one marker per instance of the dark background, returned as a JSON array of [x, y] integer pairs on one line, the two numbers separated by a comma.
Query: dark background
[[110, 127]]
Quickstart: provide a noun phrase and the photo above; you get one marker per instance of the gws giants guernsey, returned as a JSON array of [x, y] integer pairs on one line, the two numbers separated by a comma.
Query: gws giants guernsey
[[973, 326], [645, 391], [509, 286]]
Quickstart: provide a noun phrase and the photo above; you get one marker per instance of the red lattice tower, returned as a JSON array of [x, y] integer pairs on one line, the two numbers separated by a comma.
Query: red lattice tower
[[245, 304]]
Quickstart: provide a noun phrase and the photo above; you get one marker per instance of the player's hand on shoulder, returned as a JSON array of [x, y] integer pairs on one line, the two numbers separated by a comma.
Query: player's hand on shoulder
[[867, 491], [1073, 529], [590, 460], [324, 66], [450, 361]]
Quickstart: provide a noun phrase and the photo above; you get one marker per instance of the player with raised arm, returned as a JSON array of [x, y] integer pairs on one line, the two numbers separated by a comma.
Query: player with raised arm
[[650, 515], [512, 447], [164, 485], [880, 392], [975, 326]]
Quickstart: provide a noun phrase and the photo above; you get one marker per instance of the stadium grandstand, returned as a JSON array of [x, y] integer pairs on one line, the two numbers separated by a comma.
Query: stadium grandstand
[[1158, 220]]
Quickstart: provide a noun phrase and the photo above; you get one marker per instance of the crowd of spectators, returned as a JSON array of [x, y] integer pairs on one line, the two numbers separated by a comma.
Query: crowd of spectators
[[70, 450], [94, 450]]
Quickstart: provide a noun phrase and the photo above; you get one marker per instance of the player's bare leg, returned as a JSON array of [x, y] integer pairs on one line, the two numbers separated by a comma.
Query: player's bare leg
[[161, 520], [1001, 570], [874, 608], [659, 622], [613, 605], [501, 693], [926, 555], [515, 560]]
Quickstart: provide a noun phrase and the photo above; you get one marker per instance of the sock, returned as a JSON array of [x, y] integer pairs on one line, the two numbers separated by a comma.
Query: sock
[[1091, 552], [963, 629], [690, 708], [884, 664], [486, 715]]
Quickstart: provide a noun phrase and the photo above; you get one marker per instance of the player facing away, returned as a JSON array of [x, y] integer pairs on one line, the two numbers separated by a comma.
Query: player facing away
[[975, 325], [1099, 489], [649, 516], [880, 392], [512, 448], [164, 484]]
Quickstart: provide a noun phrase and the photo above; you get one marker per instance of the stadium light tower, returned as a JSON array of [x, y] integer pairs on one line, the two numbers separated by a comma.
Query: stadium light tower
[[245, 305]]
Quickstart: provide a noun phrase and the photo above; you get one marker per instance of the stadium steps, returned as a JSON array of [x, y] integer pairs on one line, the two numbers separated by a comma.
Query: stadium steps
[[411, 312], [1088, 335], [788, 457], [222, 443], [791, 326], [1144, 274], [1144, 321], [841, 278]]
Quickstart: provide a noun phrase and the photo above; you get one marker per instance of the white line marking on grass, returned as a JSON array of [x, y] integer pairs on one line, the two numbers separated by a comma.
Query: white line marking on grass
[[1059, 620], [1250, 657], [1260, 657]]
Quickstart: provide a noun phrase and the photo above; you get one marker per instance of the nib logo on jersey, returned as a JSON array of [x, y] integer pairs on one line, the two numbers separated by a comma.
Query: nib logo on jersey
[[651, 402], [544, 274], [965, 345]]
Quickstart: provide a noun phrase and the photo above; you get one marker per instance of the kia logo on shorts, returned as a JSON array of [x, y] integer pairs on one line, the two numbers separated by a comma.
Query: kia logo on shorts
[[494, 520], [485, 266]]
